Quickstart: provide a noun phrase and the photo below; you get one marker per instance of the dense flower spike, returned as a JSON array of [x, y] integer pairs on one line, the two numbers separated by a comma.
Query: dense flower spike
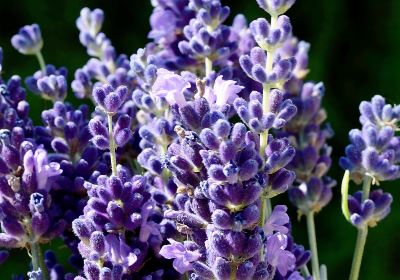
[[374, 151], [372, 157], [206, 36], [106, 65], [28, 216], [121, 221], [312, 161], [89, 24]]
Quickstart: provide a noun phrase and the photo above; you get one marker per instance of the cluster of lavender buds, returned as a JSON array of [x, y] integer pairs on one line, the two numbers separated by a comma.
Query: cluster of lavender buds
[[174, 173], [371, 158]]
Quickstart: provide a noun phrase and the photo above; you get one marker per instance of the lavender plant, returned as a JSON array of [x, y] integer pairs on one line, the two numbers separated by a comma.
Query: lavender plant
[[371, 158], [174, 173]]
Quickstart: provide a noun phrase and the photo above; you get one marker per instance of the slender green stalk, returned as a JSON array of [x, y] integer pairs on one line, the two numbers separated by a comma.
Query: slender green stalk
[[266, 207], [305, 271], [264, 135], [41, 62], [266, 92], [37, 259], [313, 245], [112, 146], [361, 236]]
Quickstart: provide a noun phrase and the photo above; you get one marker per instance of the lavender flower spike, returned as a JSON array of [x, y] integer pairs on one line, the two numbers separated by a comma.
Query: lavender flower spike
[[28, 40], [374, 150], [373, 156]]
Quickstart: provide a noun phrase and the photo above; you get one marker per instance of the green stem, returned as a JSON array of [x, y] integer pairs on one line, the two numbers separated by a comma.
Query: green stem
[[361, 236], [313, 245], [266, 208], [266, 91], [305, 271], [37, 259], [264, 135], [41, 62], [209, 65], [112, 146]]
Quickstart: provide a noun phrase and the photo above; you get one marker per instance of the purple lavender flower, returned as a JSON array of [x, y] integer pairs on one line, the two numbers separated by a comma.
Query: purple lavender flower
[[277, 256], [89, 24], [122, 222], [28, 40], [241, 34], [13, 106], [280, 112], [222, 93], [278, 221], [254, 65], [44, 171], [110, 99], [163, 23], [170, 86], [53, 87], [206, 36], [374, 150], [268, 38], [121, 133], [183, 258], [50, 70], [370, 211], [25, 194], [107, 66], [220, 204]]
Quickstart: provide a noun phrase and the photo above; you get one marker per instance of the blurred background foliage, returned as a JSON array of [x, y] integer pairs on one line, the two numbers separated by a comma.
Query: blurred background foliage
[[355, 51]]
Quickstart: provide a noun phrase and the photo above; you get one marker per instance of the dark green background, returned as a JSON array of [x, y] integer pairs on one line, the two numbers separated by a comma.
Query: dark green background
[[355, 52]]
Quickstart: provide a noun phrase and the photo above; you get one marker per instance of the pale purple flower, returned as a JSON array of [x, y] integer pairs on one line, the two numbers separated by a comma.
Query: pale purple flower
[[148, 227], [28, 40], [277, 256], [170, 86], [163, 24], [224, 92], [90, 21], [278, 220], [183, 258], [295, 276], [38, 162], [119, 251]]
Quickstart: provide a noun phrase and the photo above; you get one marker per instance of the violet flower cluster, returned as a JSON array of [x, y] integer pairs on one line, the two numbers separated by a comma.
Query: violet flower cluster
[[173, 174], [372, 157]]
